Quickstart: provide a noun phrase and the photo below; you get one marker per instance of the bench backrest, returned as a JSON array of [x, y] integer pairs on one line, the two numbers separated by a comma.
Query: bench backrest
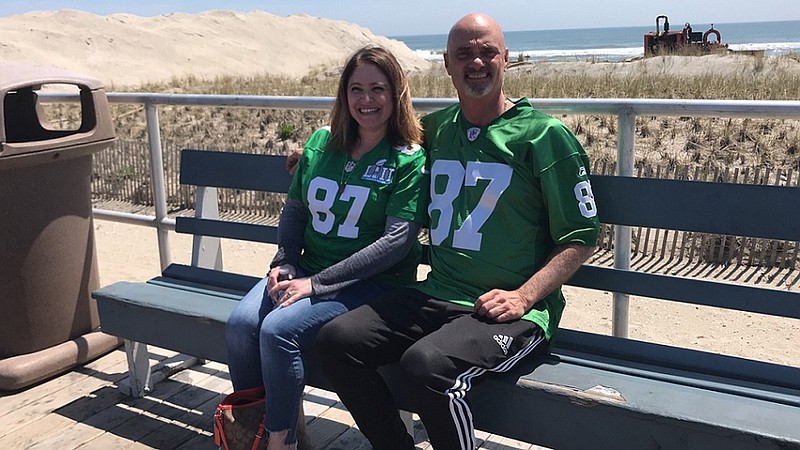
[[755, 211], [212, 169]]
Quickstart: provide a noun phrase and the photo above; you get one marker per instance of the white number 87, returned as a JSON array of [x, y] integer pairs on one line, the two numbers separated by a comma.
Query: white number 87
[[468, 235]]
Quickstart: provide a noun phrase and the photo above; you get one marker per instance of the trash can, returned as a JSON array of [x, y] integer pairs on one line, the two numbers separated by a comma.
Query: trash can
[[48, 263]]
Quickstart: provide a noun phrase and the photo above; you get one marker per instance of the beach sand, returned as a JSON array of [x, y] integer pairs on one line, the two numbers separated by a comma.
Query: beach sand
[[125, 50]]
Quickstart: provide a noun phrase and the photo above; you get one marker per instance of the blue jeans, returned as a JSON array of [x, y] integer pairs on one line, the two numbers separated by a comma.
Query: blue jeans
[[267, 346]]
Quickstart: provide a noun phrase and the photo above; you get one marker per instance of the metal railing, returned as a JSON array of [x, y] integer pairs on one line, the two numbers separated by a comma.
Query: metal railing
[[626, 111]]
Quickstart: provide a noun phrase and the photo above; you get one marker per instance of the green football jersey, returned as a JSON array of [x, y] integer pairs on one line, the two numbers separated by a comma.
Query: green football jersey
[[502, 197], [348, 201]]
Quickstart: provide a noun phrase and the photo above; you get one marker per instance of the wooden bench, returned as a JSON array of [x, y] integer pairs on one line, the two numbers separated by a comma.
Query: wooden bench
[[592, 391]]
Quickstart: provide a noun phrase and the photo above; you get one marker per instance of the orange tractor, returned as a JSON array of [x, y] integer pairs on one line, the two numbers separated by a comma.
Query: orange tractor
[[669, 41]]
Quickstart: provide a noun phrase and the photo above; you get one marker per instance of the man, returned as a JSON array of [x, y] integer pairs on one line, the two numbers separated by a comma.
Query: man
[[512, 218]]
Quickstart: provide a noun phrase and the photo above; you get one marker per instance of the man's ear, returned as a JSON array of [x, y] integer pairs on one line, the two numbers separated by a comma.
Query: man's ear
[[505, 56], [446, 66]]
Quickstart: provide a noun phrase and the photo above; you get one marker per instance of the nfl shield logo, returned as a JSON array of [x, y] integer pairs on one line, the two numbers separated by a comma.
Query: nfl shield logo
[[473, 133]]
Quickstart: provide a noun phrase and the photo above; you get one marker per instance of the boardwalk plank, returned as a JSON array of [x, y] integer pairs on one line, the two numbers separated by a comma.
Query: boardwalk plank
[[38, 408], [199, 443], [125, 414], [420, 435], [352, 439], [67, 425], [92, 417], [151, 423], [316, 401], [12, 402], [495, 442], [329, 425], [192, 413], [107, 441]]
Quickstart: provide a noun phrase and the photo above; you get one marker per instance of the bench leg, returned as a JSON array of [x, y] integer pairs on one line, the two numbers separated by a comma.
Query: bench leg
[[139, 382], [141, 377]]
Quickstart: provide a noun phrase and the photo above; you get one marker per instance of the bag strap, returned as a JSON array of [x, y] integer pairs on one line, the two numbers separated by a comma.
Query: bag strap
[[259, 436], [219, 434]]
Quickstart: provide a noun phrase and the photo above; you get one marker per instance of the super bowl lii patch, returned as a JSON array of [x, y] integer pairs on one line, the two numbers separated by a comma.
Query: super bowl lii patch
[[378, 173]]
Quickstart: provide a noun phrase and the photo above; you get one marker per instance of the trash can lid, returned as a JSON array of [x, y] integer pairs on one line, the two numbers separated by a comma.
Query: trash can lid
[[15, 75], [26, 135]]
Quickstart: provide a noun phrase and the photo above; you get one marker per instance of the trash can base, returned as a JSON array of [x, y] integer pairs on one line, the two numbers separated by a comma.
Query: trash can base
[[21, 371]]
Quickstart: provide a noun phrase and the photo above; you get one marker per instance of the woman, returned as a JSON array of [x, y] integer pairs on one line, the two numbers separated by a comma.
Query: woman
[[348, 230]]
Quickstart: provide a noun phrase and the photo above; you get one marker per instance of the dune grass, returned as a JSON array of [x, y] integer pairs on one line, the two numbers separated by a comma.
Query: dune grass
[[745, 143]]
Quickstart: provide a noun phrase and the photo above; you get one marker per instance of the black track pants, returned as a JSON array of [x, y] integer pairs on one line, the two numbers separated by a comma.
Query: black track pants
[[442, 347]]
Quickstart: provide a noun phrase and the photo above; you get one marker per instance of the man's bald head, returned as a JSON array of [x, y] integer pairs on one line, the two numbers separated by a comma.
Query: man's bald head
[[476, 58], [474, 24]]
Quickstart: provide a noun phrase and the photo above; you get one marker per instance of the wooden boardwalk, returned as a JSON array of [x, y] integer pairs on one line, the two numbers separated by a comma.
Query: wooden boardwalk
[[83, 409]]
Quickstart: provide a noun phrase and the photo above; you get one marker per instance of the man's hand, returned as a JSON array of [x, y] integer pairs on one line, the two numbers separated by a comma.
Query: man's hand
[[504, 306], [292, 160], [501, 306]]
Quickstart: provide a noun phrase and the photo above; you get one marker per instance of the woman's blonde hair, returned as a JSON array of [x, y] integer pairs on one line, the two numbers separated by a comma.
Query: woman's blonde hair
[[403, 127]]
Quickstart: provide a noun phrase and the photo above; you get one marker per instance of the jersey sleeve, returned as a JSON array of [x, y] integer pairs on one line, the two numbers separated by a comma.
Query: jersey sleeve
[[409, 199], [567, 189]]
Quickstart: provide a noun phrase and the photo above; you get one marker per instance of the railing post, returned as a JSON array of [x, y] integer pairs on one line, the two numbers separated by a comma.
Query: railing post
[[157, 176], [622, 234]]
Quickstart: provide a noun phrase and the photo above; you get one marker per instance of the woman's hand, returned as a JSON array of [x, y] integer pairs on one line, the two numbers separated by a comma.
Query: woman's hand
[[288, 290], [276, 275]]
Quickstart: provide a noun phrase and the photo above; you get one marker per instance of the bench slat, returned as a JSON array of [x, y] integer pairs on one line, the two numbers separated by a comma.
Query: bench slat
[[592, 407], [722, 208], [746, 373], [189, 322], [688, 290], [227, 229], [224, 280], [235, 170]]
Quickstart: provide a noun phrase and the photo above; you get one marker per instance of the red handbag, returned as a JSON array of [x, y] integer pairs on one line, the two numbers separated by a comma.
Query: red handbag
[[239, 420]]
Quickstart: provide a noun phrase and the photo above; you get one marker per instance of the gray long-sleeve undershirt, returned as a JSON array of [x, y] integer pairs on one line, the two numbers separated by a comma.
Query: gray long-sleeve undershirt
[[397, 239]]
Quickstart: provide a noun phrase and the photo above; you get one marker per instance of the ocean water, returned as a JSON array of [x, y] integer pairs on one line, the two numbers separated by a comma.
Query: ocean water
[[617, 44]]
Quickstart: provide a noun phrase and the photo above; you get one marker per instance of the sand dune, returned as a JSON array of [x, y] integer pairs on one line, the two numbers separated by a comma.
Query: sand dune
[[124, 50]]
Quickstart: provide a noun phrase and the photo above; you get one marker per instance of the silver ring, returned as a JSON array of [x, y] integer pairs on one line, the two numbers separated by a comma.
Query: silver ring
[[289, 294]]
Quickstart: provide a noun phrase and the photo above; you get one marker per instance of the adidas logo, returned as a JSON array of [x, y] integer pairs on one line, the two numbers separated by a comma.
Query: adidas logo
[[504, 342]]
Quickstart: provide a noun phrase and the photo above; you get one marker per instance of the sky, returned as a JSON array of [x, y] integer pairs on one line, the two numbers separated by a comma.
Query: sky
[[413, 17]]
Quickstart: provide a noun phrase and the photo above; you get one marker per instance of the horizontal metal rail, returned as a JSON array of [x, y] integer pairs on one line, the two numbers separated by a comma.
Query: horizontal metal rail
[[776, 109], [626, 111]]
